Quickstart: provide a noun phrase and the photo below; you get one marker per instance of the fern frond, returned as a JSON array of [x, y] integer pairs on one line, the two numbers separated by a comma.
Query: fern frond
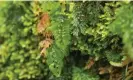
[[60, 29], [55, 59], [79, 74]]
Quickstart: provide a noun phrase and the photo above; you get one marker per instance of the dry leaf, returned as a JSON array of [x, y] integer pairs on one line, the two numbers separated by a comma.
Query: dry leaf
[[90, 63], [104, 70], [45, 44], [43, 23], [129, 73], [115, 74]]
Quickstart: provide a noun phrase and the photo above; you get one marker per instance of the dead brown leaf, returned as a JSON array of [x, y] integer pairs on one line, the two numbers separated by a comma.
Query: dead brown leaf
[[90, 63], [43, 23]]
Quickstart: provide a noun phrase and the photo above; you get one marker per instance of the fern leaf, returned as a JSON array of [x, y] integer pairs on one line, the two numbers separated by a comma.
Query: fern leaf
[[79, 74], [55, 60], [59, 49]]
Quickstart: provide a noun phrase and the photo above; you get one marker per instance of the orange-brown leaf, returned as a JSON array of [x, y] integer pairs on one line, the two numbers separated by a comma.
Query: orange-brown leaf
[[45, 44], [103, 70], [43, 23], [90, 63]]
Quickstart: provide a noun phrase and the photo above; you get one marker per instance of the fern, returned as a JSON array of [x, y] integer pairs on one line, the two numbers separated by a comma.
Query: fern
[[79, 74], [61, 31], [59, 49], [60, 28], [55, 59]]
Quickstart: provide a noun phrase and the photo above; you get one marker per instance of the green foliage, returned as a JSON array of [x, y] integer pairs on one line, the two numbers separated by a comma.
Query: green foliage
[[79, 74], [87, 35], [123, 26], [60, 27], [19, 50], [59, 49], [94, 38]]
